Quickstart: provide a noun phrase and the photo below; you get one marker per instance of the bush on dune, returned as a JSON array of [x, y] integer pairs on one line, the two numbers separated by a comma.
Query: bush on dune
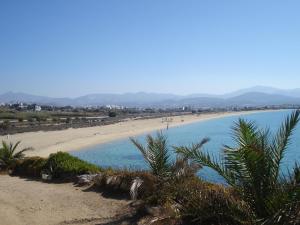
[[32, 167], [59, 165], [62, 165], [193, 201], [210, 204]]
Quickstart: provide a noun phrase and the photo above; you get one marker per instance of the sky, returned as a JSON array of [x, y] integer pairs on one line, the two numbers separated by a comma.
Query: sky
[[71, 48]]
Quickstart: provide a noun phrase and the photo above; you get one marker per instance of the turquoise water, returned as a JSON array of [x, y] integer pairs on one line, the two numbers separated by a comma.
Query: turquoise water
[[122, 153]]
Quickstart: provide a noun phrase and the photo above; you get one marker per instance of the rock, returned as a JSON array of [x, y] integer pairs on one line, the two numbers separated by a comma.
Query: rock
[[137, 204], [154, 211], [98, 178], [125, 185], [86, 178], [176, 208], [46, 176], [114, 182], [134, 189]]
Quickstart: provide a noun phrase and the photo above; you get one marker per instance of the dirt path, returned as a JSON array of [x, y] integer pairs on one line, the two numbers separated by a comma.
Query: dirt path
[[27, 202]]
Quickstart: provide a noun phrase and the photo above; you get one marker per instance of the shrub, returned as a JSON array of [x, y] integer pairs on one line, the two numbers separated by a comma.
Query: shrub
[[5, 125], [31, 167], [112, 114], [210, 204], [68, 120], [62, 165], [41, 118], [31, 119], [9, 154], [122, 180]]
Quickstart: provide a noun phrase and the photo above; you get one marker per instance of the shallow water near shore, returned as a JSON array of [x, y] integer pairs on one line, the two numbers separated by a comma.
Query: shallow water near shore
[[122, 153]]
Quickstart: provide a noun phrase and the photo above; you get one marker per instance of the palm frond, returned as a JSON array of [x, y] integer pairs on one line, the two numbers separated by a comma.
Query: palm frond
[[139, 146], [14, 146], [9, 153], [252, 167], [156, 153], [20, 154], [281, 141], [184, 167]]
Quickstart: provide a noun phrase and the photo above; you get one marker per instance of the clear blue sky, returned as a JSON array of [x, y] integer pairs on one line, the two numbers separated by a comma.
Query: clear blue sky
[[71, 47]]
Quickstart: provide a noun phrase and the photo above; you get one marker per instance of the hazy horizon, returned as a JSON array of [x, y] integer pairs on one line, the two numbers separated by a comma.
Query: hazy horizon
[[264, 88], [73, 48]]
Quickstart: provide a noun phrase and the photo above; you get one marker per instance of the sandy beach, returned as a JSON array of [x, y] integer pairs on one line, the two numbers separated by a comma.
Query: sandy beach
[[49, 142]]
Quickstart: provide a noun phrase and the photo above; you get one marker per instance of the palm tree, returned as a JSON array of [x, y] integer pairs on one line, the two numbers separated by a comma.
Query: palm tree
[[184, 167], [9, 154], [156, 154], [253, 169]]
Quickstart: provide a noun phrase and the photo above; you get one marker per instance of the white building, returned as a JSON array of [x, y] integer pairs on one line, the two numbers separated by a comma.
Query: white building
[[38, 108], [114, 107]]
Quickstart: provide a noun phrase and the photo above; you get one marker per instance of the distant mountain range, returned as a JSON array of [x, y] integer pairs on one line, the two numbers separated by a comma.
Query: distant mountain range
[[254, 96]]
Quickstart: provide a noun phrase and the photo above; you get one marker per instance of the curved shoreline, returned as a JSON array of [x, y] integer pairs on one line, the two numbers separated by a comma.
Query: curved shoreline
[[49, 142]]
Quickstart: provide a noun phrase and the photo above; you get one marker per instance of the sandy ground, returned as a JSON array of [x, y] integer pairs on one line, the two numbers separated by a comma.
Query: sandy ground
[[49, 142], [24, 202]]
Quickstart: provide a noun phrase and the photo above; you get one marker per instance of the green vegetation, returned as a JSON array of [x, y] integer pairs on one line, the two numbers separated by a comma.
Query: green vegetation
[[9, 154], [253, 169], [68, 120], [31, 167], [12, 115], [5, 125], [157, 156], [62, 165], [209, 204], [112, 114], [177, 184]]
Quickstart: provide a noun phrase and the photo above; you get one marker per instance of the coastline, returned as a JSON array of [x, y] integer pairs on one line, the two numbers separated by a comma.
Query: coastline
[[72, 139]]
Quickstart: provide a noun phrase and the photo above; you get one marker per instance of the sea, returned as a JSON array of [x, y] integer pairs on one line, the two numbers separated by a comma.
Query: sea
[[123, 154]]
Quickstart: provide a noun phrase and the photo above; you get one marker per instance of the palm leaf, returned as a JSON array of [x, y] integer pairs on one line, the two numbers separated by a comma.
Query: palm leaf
[[156, 153], [20, 154], [9, 153], [281, 141], [252, 167]]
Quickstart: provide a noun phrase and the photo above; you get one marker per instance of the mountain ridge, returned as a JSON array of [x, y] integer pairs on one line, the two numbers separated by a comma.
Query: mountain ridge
[[253, 96]]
